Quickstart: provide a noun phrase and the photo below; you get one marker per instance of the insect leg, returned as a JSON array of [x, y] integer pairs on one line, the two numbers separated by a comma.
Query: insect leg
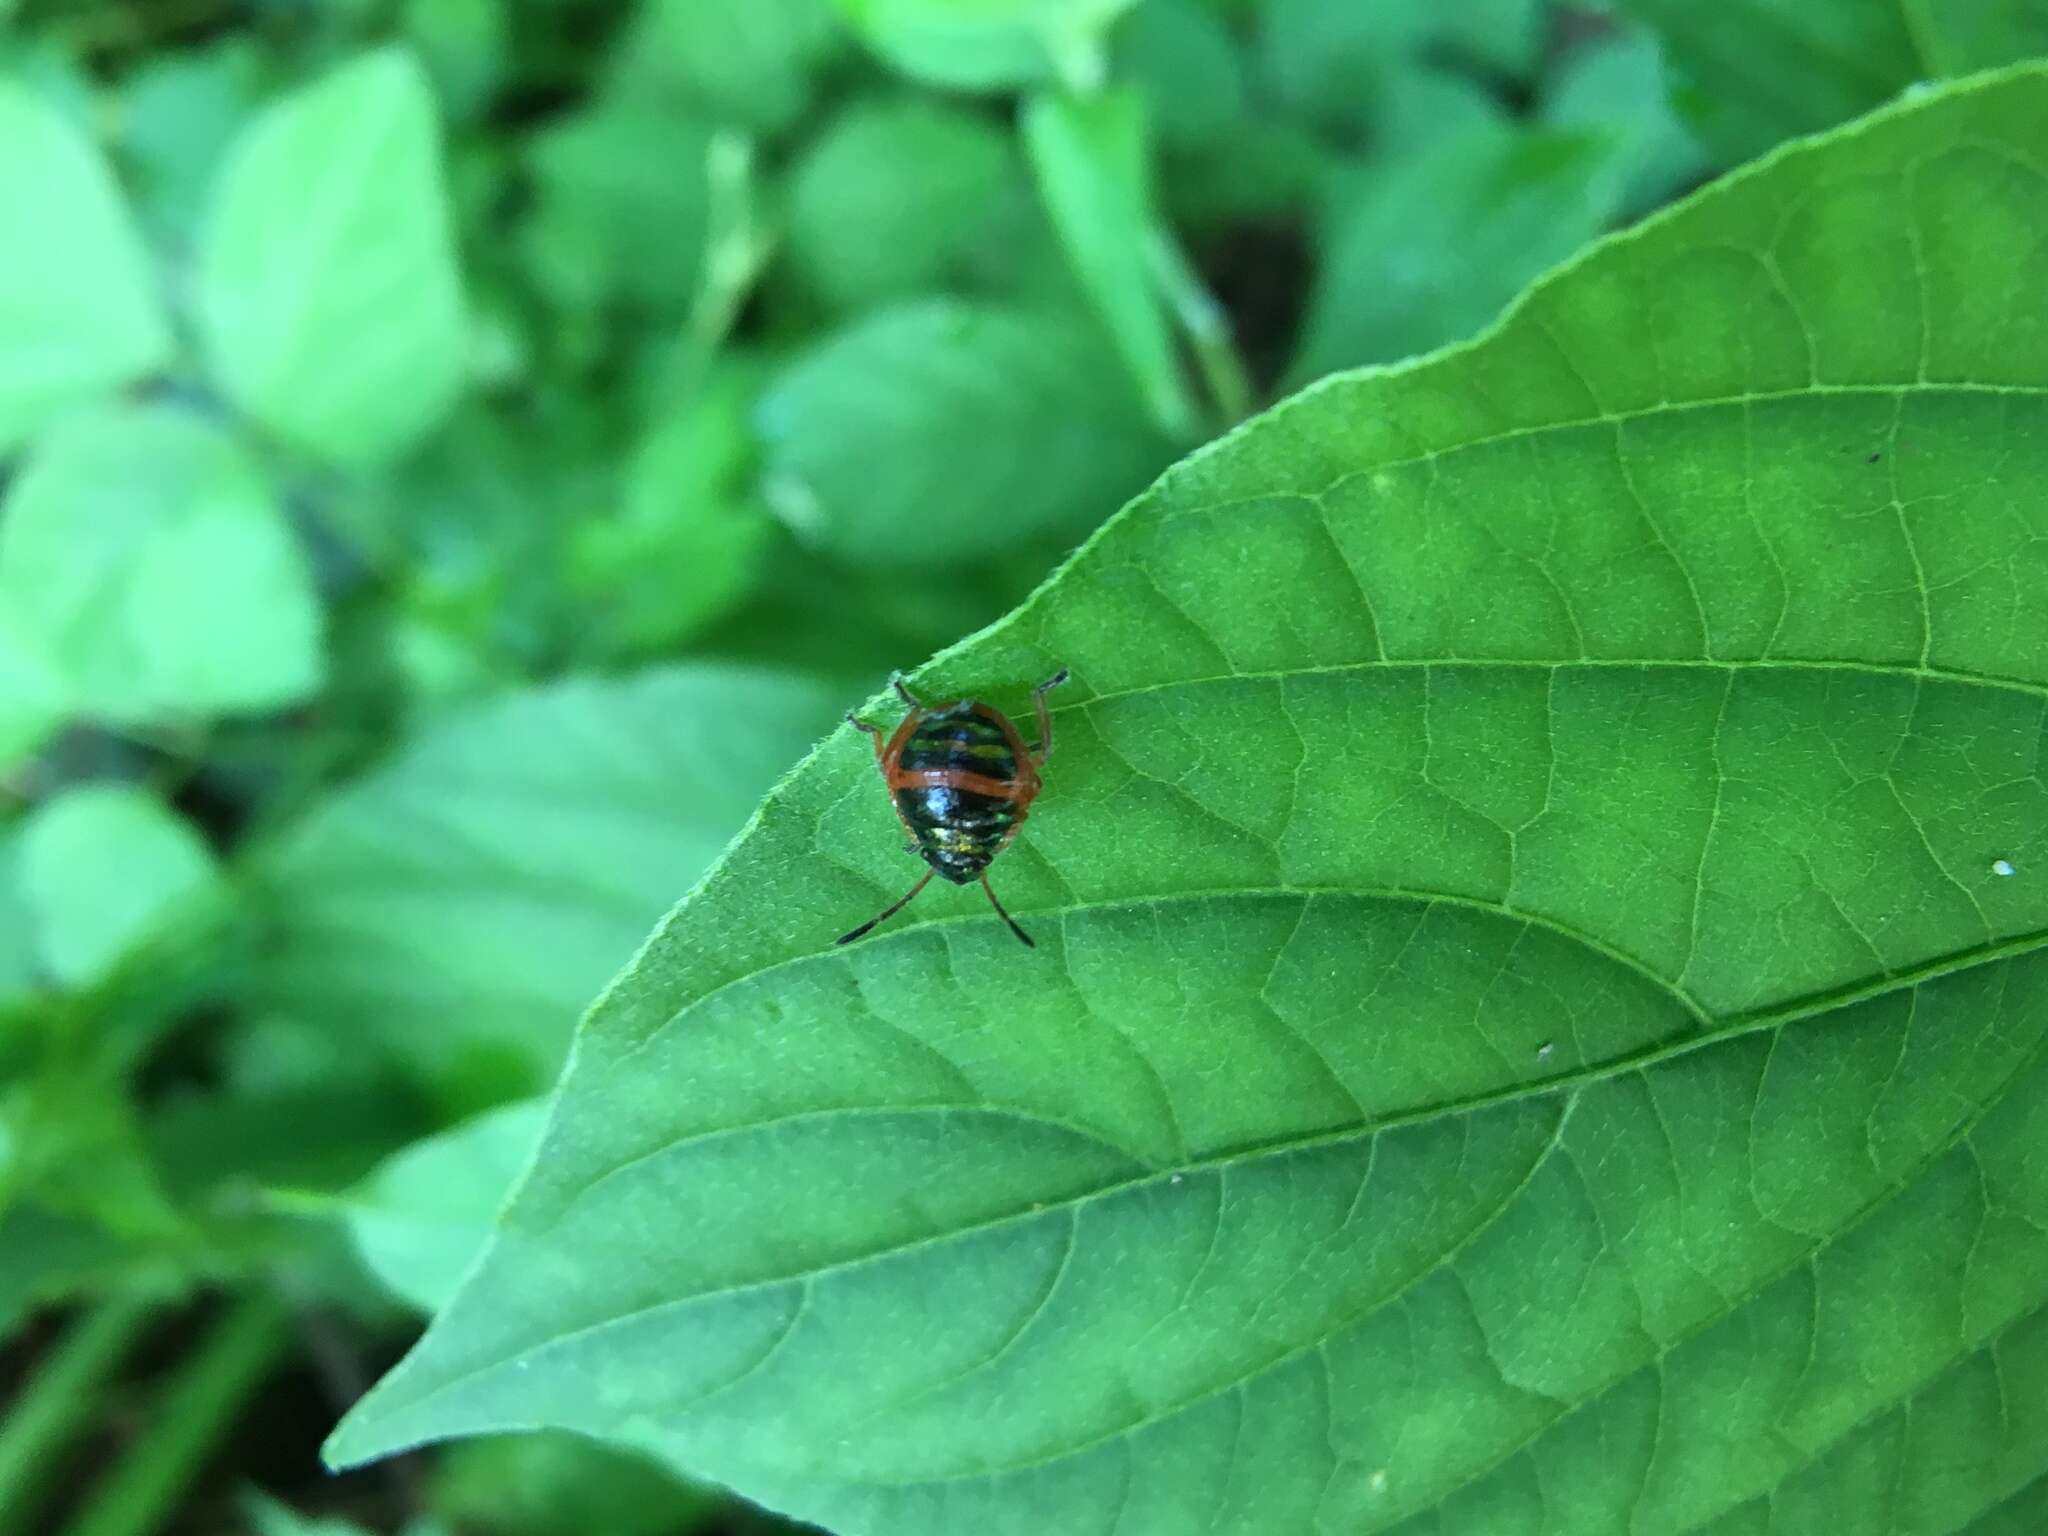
[[890, 911], [903, 693], [873, 730], [1028, 944], [1043, 750]]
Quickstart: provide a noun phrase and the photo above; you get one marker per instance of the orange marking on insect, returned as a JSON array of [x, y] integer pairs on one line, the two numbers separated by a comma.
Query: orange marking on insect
[[1018, 791], [958, 842]]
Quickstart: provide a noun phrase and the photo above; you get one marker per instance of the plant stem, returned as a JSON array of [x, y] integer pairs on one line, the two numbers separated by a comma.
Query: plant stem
[[191, 1417], [1207, 328], [58, 1402], [736, 245]]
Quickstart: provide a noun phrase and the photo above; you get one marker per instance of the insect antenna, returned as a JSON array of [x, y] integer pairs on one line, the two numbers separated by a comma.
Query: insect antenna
[[897, 906], [1028, 944]]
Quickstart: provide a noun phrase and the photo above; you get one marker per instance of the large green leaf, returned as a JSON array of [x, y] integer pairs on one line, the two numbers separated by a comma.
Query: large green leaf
[[1530, 1030], [457, 908], [329, 296], [78, 317]]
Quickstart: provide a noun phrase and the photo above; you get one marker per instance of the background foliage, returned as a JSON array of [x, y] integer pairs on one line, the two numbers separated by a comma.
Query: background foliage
[[455, 457]]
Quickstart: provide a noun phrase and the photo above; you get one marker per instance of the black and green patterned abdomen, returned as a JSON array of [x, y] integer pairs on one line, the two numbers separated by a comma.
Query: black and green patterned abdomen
[[958, 743], [957, 831], [959, 827]]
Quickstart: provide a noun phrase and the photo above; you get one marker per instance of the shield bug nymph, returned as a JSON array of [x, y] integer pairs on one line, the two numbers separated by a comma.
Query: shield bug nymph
[[961, 780]]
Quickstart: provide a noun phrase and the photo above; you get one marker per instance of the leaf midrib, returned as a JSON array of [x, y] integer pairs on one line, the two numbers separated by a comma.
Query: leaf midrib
[[1731, 1028], [1567, 1085], [1932, 674], [1850, 1223]]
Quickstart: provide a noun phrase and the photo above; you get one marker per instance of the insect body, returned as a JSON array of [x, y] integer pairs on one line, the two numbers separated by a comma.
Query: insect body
[[962, 780]]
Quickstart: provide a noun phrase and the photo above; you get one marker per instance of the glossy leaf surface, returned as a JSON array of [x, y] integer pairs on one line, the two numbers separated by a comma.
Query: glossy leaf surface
[[1526, 1032]]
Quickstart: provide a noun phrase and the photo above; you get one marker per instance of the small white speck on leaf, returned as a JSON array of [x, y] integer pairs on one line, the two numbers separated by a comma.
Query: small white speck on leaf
[[2003, 867], [1378, 1481], [1175, 1179], [1544, 1050]]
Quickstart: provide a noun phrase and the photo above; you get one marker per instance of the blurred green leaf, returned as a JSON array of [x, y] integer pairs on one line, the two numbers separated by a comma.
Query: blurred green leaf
[[1340, 63], [144, 561], [102, 868], [424, 1213], [46, 1258], [20, 961], [1526, 1032], [1093, 166], [269, 1517], [79, 316], [1329, 61], [893, 199], [179, 113], [43, 66], [1184, 59], [1750, 73], [1421, 108], [455, 909], [938, 432], [985, 45], [754, 64], [329, 296], [217, 1147], [465, 46], [619, 207], [72, 1148], [565, 1485], [1267, 172], [1504, 35], [1427, 250], [1616, 88], [1958, 36], [687, 539], [33, 699], [855, 624], [476, 528]]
